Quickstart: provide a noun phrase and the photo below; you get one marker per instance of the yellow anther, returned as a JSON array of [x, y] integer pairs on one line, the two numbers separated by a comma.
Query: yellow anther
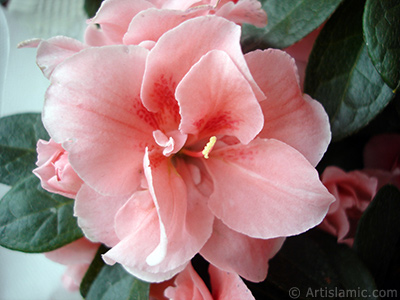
[[210, 145]]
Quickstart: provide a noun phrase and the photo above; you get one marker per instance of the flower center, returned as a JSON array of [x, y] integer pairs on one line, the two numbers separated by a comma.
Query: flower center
[[205, 152]]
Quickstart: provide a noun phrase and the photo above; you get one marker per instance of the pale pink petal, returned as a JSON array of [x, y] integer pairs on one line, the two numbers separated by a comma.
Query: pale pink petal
[[382, 152], [271, 190], [73, 276], [54, 171], [290, 117], [151, 24], [96, 215], [174, 4], [138, 227], [216, 99], [237, 253], [172, 142], [227, 286], [95, 37], [80, 251], [191, 40], [244, 11], [114, 17], [100, 119], [188, 286], [163, 228], [52, 52]]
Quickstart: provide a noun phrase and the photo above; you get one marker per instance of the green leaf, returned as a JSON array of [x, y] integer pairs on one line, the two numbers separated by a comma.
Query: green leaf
[[377, 239], [341, 75], [33, 220], [316, 266], [93, 271], [18, 137], [113, 282], [91, 7], [288, 22], [382, 35]]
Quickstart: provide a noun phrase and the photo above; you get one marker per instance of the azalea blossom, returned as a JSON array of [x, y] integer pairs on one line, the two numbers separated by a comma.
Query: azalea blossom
[[187, 145], [353, 192], [77, 256], [189, 285], [142, 22], [54, 170]]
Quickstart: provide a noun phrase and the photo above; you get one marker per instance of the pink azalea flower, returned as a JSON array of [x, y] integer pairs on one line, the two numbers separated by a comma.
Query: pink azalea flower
[[381, 159], [189, 144], [77, 256], [54, 170], [144, 21], [188, 285], [353, 192], [140, 22]]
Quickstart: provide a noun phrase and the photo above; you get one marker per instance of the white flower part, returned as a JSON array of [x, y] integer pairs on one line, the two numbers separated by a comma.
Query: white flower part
[[172, 142]]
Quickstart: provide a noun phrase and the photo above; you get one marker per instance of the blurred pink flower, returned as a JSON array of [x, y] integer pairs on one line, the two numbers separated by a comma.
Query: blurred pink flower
[[381, 159], [353, 192], [77, 256], [54, 170], [187, 145], [301, 51], [189, 285]]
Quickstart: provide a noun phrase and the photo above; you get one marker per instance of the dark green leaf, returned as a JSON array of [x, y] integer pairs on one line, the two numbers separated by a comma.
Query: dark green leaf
[[18, 137], [91, 7], [33, 220], [113, 282], [378, 234], [93, 271], [319, 267], [288, 22], [341, 76], [381, 25]]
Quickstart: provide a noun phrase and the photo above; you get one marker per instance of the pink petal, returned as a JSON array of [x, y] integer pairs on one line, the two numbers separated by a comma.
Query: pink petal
[[73, 276], [138, 227], [114, 17], [161, 230], [226, 286], [96, 215], [151, 24], [237, 253], [78, 252], [174, 4], [189, 286], [95, 37], [353, 192], [100, 119], [290, 117], [244, 11], [272, 190], [55, 173], [54, 51], [220, 102], [180, 48]]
